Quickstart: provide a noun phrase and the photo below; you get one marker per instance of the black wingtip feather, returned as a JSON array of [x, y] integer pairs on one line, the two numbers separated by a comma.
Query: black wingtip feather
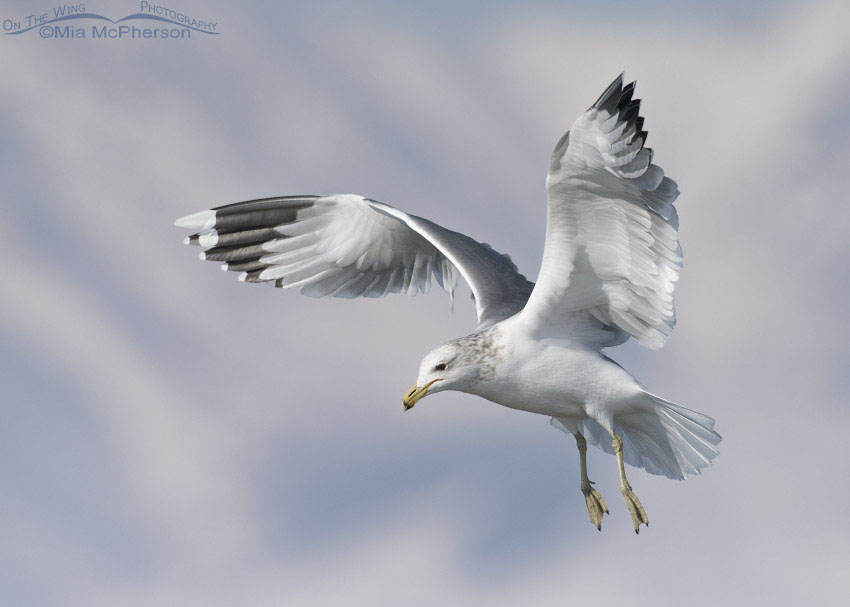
[[233, 221], [253, 276], [631, 111], [247, 266], [639, 129], [259, 214], [231, 254], [265, 204], [626, 95], [608, 100], [232, 239]]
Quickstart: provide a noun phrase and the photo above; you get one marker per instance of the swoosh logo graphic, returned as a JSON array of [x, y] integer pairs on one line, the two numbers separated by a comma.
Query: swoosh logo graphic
[[65, 18], [134, 16], [157, 18]]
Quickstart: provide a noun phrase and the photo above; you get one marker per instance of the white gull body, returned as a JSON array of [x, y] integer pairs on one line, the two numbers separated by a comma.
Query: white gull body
[[609, 269], [528, 374]]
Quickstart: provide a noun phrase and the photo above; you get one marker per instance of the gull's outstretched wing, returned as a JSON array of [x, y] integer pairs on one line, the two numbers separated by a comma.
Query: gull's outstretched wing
[[350, 246], [612, 254]]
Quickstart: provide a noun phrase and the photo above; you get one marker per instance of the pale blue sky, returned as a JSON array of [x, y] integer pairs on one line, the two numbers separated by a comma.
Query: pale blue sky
[[170, 436]]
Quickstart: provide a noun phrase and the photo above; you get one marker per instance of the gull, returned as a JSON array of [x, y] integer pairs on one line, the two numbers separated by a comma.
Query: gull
[[610, 265]]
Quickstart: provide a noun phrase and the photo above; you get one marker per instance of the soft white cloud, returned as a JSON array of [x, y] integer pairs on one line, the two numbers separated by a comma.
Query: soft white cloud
[[255, 445]]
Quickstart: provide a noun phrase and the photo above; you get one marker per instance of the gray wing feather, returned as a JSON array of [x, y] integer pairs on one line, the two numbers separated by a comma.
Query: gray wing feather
[[349, 246], [612, 255]]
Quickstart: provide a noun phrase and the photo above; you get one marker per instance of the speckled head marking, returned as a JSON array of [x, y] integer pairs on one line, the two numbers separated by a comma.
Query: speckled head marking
[[457, 365], [482, 350]]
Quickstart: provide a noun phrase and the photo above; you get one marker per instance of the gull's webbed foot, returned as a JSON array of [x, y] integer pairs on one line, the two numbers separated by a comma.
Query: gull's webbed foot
[[634, 506], [632, 502], [596, 506]]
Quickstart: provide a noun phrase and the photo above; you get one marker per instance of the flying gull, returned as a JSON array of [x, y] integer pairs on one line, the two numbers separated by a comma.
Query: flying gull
[[610, 265]]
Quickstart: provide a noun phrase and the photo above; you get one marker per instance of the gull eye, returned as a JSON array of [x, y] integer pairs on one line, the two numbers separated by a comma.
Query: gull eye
[[440, 367]]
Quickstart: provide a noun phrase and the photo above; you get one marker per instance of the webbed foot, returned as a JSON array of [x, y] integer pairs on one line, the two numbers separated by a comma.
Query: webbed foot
[[635, 507], [596, 506]]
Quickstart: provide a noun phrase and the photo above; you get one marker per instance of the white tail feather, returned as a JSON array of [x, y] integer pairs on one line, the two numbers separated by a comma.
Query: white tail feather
[[664, 439]]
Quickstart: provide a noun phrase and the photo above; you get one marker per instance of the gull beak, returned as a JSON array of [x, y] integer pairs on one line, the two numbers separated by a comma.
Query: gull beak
[[414, 394]]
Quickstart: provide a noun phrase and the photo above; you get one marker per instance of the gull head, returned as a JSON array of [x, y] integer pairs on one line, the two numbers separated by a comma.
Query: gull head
[[446, 367]]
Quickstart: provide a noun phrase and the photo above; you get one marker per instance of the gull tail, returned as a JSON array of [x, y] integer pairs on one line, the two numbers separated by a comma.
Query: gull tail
[[663, 439]]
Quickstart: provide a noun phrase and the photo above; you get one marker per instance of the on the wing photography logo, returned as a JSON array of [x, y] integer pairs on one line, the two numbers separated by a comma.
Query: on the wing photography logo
[[74, 21]]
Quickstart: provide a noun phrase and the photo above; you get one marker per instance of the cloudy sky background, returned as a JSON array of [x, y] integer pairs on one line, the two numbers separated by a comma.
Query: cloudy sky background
[[170, 436]]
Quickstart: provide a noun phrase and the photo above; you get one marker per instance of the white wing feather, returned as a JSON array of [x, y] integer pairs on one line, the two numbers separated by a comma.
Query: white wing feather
[[612, 255], [349, 246]]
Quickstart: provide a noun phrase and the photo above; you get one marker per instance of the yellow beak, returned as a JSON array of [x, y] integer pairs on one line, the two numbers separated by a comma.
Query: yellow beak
[[414, 394]]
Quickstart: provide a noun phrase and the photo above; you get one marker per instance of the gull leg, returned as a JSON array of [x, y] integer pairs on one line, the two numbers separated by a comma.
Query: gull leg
[[632, 502], [596, 506]]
